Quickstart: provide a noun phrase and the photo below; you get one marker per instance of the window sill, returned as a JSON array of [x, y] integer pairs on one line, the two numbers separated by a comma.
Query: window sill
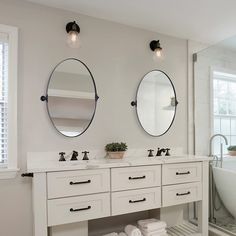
[[6, 173]]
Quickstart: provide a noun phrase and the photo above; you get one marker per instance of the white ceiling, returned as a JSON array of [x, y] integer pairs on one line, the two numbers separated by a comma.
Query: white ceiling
[[207, 21]]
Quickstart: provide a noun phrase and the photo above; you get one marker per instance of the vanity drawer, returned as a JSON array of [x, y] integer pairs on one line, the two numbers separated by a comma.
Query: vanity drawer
[[135, 200], [75, 209], [181, 193], [135, 177], [81, 182], [181, 173]]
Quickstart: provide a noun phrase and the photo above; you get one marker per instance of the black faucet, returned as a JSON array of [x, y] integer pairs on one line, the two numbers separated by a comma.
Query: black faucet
[[62, 156], [74, 156], [160, 151], [85, 158]]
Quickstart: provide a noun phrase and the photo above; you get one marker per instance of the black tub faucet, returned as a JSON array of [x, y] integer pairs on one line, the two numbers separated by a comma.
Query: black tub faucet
[[160, 151]]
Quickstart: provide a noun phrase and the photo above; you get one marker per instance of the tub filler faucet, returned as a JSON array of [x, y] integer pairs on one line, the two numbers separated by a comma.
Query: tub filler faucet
[[221, 146], [211, 181]]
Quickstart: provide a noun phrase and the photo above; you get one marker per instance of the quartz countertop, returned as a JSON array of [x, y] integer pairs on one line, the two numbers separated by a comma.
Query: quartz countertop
[[51, 164]]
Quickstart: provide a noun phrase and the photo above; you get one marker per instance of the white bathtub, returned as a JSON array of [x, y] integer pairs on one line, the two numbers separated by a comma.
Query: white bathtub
[[225, 181]]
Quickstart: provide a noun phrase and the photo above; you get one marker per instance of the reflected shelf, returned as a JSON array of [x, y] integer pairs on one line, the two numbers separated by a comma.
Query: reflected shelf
[[70, 94]]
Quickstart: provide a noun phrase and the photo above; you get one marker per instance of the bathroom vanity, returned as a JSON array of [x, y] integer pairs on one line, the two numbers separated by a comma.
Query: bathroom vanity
[[76, 192]]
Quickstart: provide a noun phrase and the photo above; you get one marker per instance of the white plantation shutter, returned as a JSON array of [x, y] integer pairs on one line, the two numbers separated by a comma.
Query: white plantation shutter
[[3, 98]]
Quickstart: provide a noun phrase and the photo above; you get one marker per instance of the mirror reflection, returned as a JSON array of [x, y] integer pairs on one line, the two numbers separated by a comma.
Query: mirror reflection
[[71, 97], [156, 103]]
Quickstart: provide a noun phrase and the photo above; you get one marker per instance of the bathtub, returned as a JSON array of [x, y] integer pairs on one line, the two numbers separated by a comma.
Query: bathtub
[[225, 181]]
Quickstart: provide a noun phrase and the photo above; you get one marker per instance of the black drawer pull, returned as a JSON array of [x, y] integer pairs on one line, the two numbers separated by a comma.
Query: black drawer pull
[[140, 177], [183, 173], [182, 194], [82, 182], [142, 200], [80, 209]]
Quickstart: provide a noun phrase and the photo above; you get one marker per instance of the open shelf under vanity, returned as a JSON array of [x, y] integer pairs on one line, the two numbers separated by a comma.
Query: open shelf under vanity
[[185, 229]]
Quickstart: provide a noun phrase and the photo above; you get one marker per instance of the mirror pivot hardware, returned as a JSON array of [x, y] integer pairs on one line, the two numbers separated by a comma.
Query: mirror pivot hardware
[[134, 103], [44, 98]]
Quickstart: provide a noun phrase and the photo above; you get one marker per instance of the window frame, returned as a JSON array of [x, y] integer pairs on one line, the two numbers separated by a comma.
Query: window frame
[[212, 115], [10, 169]]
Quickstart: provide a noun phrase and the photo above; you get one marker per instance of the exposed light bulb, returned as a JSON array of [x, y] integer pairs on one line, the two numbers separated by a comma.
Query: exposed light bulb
[[73, 39], [158, 52]]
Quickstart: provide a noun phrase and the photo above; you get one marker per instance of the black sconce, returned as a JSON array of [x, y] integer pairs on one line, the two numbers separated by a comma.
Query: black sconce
[[73, 31], [156, 47]]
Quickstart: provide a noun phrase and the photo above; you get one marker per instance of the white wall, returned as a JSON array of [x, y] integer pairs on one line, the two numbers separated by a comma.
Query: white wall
[[118, 56]]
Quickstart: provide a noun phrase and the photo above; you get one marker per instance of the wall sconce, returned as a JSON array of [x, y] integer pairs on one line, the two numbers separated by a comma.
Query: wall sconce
[[156, 47], [73, 31]]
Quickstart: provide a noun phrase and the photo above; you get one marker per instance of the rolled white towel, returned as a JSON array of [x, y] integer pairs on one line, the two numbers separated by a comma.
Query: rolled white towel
[[122, 234], [132, 230], [154, 233], [111, 234], [151, 225]]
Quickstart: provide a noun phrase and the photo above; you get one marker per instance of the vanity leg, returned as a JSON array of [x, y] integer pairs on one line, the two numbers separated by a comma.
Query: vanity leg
[[203, 206], [40, 204]]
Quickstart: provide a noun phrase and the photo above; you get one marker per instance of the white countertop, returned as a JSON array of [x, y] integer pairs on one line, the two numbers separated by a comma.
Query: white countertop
[[46, 164]]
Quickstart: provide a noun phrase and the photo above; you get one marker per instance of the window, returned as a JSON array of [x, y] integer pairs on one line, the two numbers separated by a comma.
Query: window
[[8, 101], [3, 98], [224, 108]]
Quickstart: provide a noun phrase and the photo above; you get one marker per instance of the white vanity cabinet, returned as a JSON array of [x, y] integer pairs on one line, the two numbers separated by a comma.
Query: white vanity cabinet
[[63, 196]]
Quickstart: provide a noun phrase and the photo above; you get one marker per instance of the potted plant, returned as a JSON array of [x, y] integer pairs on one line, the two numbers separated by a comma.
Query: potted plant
[[116, 150], [232, 150]]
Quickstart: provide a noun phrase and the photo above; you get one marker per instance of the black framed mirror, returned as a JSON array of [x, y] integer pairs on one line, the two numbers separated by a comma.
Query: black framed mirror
[[71, 97], [156, 103]]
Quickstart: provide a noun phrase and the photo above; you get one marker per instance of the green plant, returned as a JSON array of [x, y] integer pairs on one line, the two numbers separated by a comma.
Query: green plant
[[116, 147], [231, 148]]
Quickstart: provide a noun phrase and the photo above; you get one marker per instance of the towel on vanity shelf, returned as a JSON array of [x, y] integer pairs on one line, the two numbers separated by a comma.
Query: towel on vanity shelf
[[150, 225], [132, 230], [111, 234], [155, 233], [122, 234]]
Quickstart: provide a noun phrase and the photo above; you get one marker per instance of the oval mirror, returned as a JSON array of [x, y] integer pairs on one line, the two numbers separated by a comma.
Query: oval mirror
[[71, 97], [156, 103]]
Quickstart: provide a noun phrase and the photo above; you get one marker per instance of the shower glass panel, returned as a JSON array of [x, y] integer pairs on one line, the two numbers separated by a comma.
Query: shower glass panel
[[214, 113]]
